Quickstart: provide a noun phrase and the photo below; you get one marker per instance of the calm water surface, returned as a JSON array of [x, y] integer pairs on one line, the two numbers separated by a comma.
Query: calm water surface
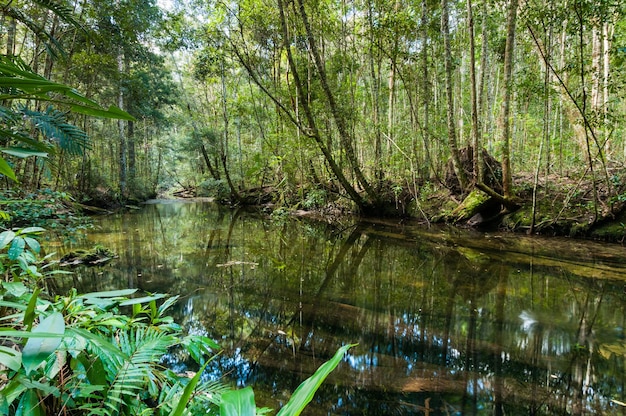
[[447, 322]]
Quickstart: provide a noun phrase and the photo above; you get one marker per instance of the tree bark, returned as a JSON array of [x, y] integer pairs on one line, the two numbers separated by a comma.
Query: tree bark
[[476, 142], [452, 141], [507, 180], [311, 130], [121, 127], [344, 136]]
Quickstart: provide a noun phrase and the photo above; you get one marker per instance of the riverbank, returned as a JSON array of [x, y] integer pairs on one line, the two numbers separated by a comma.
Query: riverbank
[[571, 206], [554, 205]]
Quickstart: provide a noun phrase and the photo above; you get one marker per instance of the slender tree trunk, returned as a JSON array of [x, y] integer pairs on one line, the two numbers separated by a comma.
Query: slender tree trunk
[[224, 143], [378, 169], [476, 141], [452, 140], [207, 160], [426, 92], [391, 84], [483, 63], [596, 69], [311, 130], [607, 35], [344, 136], [11, 33], [506, 102], [121, 127], [132, 162]]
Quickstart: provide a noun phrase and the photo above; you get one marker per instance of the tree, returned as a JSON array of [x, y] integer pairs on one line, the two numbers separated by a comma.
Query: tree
[[450, 116]]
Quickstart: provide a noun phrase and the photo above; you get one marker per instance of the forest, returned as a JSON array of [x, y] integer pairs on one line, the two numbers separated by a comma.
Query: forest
[[501, 114], [373, 107]]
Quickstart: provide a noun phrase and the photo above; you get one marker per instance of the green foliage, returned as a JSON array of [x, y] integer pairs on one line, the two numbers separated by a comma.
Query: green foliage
[[316, 198], [80, 353], [217, 188], [19, 83], [43, 208], [100, 353], [241, 402]]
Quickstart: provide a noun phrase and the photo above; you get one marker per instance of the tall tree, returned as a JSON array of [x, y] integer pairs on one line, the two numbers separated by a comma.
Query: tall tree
[[450, 114], [509, 52]]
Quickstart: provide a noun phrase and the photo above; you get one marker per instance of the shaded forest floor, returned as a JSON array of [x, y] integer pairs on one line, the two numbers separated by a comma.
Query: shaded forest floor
[[557, 205]]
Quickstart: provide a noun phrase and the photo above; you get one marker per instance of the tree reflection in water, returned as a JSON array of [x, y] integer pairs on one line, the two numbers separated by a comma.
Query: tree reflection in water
[[447, 322]]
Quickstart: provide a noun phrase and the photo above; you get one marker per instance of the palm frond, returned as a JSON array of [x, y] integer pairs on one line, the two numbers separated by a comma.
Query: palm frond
[[54, 126]]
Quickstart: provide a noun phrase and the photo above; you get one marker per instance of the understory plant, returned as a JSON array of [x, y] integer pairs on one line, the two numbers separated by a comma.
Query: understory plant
[[101, 353]]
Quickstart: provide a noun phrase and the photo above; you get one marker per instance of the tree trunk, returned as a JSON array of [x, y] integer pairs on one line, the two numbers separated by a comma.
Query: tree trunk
[[121, 127], [132, 163], [224, 143], [507, 180], [311, 130], [476, 142], [452, 141], [344, 136]]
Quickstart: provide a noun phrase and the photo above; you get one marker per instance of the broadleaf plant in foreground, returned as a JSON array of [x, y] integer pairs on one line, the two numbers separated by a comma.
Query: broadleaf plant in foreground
[[81, 354]]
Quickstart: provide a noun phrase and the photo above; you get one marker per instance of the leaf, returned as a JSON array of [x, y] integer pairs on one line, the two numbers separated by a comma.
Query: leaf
[[10, 333], [10, 358], [111, 112], [5, 238], [96, 373], [22, 152], [180, 408], [37, 350], [33, 244], [109, 294], [6, 170], [144, 299], [29, 314], [305, 391], [30, 405], [17, 248], [15, 289], [31, 230], [238, 403]]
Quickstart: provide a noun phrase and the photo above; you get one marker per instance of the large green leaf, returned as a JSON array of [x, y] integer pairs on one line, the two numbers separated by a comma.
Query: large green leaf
[[29, 313], [5, 238], [143, 299], [33, 244], [30, 405], [180, 408], [31, 230], [109, 293], [16, 248], [238, 403], [305, 391], [6, 170], [37, 350], [22, 152]]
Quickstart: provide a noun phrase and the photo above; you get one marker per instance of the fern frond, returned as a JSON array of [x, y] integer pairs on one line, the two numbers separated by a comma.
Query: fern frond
[[143, 348]]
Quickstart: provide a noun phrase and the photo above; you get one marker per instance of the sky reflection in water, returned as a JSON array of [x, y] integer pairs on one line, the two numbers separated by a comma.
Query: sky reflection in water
[[447, 322]]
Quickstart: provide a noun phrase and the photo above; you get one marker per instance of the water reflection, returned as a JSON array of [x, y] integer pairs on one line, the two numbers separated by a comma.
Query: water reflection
[[447, 322]]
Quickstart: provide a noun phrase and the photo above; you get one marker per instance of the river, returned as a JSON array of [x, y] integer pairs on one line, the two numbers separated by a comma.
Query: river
[[447, 321]]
